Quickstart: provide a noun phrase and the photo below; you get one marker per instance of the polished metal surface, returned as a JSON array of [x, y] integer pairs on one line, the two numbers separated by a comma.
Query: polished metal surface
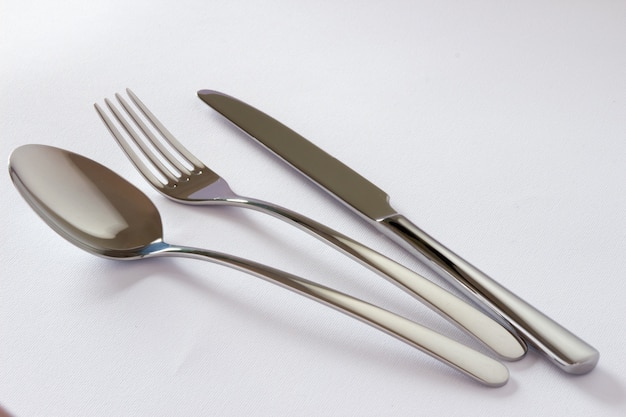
[[326, 171], [194, 183], [100, 212], [562, 347]]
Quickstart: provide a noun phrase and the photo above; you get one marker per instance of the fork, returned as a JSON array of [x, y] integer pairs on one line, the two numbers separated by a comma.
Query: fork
[[177, 174]]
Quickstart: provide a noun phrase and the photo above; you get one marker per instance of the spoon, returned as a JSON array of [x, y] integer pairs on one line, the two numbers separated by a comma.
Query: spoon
[[102, 213]]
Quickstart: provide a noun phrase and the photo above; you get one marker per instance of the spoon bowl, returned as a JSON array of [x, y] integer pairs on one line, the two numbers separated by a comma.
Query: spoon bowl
[[85, 202], [100, 212]]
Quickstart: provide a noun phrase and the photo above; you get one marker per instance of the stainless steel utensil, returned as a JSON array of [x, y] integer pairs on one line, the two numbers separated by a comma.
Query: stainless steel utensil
[[189, 181], [562, 347], [102, 213]]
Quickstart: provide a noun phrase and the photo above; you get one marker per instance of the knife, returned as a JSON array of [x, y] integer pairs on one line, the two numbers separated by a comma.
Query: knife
[[563, 348]]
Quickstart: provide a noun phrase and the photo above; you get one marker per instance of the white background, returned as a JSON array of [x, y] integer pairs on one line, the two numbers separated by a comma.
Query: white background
[[500, 129]]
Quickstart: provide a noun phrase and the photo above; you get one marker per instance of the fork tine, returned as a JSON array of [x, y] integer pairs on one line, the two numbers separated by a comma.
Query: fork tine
[[130, 152], [175, 144], [148, 153], [157, 143]]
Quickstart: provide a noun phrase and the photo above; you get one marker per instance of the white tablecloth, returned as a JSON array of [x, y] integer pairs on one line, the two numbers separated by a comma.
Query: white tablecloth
[[500, 129]]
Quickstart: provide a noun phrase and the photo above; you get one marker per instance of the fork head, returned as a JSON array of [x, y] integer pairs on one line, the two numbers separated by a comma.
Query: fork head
[[167, 165]]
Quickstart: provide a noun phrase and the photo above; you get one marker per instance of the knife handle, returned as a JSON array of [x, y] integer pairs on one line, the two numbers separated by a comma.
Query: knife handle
[[563, 348]]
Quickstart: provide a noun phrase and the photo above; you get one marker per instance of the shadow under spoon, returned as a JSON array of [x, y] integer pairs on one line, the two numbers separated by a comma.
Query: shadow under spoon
[[102, 213]]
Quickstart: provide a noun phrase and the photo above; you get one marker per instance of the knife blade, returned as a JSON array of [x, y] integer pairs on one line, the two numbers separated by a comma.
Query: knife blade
[[563, 348]]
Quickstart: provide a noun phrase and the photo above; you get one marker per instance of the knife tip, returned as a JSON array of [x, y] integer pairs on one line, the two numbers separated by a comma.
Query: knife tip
[[207, 92]]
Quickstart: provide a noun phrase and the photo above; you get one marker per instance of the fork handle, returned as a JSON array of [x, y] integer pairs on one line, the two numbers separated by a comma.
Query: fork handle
[[503, 342], [472, 363]]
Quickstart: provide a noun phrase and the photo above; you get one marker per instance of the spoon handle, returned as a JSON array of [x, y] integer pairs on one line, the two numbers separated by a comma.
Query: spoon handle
[[474, 364]]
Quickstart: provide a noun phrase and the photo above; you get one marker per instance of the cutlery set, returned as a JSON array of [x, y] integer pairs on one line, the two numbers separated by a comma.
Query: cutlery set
[[103, 214]]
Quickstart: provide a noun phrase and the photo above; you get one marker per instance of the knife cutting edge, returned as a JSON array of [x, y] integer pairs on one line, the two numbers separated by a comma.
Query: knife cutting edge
[[562, 347]]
